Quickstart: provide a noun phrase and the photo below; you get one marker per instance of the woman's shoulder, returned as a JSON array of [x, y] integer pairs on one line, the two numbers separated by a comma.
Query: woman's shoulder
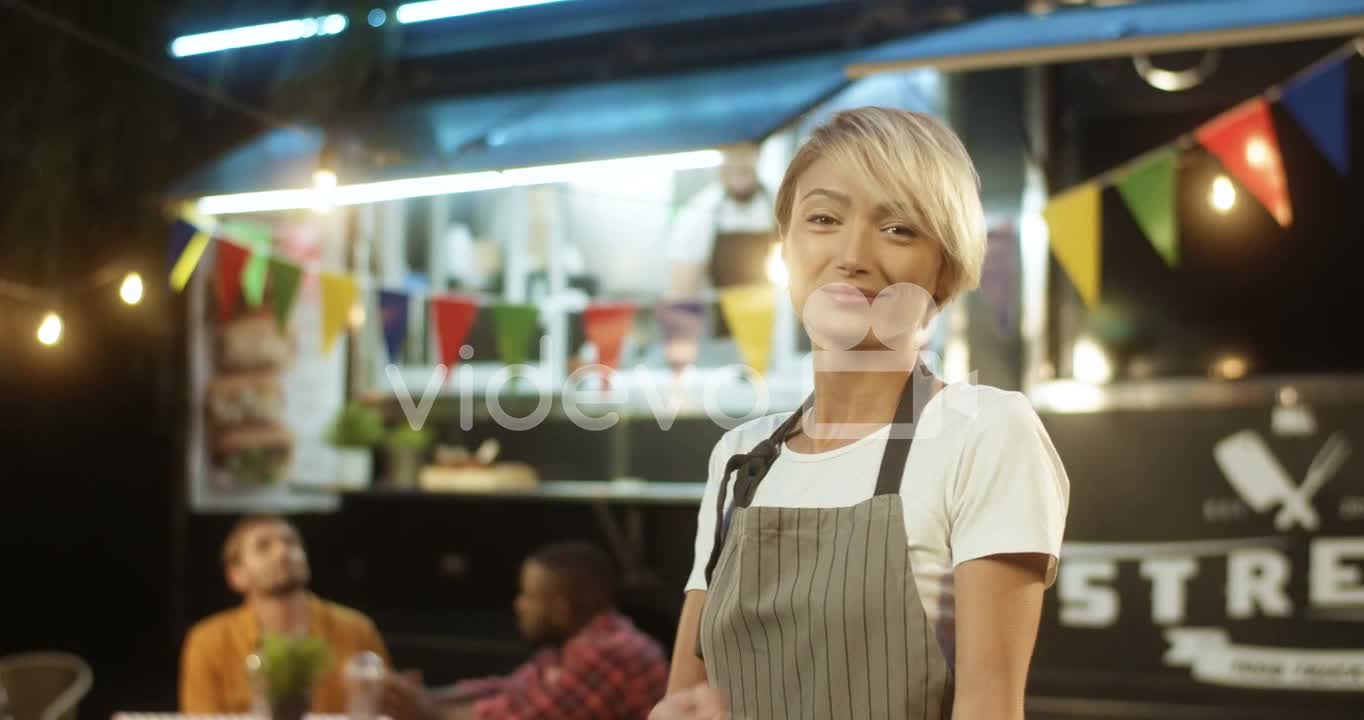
[[746, 435], [984, 407]]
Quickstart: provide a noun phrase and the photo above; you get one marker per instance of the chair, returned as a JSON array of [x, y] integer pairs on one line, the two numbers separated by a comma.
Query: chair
[[45, 685]]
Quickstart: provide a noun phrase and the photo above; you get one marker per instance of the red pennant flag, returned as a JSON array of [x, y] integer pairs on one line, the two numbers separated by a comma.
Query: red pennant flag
[[454, 318], [232, 260], [607, 325], [1245, 141]]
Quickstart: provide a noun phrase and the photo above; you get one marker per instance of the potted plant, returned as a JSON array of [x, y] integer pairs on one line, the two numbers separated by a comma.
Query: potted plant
[[289, 667], [406, 447], [357, 430]]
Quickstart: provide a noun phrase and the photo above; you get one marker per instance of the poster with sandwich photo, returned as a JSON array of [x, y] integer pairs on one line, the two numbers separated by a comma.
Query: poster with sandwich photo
[[262, 391]]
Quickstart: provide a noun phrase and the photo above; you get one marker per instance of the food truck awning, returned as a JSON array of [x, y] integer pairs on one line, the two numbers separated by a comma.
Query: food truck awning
[[625, 118], [1154, 26]]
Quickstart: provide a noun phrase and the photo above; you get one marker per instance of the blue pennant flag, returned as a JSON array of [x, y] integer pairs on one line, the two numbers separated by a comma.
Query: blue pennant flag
[[1320, 104], [180, 235], [393, 307]]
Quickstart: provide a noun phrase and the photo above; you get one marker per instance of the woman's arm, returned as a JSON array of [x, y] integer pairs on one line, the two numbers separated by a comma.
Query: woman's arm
[[998, 609], [687, 669]]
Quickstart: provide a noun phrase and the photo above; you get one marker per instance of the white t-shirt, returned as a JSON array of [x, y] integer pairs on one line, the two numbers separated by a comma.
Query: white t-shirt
[[982, 479], [692, 235]]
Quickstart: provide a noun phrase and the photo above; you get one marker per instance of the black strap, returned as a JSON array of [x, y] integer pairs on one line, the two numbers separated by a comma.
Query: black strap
[[752, 466]]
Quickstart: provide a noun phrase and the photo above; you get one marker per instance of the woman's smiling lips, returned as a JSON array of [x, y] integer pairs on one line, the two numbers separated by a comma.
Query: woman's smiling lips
[[845, 294]]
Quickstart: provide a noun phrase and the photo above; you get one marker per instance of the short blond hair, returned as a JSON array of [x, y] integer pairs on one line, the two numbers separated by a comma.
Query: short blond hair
[[922, 168]]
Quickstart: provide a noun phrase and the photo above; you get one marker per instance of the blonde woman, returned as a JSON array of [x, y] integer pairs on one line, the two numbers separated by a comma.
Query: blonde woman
[[883, 552]]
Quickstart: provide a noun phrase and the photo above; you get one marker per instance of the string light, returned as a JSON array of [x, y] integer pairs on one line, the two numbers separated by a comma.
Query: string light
[[356, 316], [1257, 153], [50, 329], [131, 289], [1223, 194], [776, 267], [1089, 362]]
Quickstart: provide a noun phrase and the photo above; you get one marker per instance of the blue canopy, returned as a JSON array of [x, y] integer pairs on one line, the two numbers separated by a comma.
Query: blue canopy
[[627, 118], [1016, 39]]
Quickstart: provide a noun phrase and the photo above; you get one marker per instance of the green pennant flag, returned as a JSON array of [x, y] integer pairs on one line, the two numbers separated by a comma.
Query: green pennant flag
[[256, 237], [284, 282], [515, 326], [1149, 191]]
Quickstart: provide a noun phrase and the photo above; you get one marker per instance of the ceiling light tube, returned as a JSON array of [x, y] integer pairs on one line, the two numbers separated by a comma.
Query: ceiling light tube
[[618, 170], [253, 35], [416, 12]]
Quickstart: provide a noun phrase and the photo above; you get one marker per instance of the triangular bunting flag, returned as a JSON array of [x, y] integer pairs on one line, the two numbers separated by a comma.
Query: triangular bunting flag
[[187, 245], [515, 326], [1076, 228], [228, 275], [679, 326], [339, 292], [257, 239], [1320, 104], [1149, 191], [1245, 141], [607, 325], [454, 317], [750, 312], [284, 284], [393, 307]]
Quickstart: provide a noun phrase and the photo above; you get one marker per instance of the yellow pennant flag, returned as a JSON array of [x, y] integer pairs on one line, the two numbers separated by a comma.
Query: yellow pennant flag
[[188, 260], [338, 295], [750, 312], [1075, 221]]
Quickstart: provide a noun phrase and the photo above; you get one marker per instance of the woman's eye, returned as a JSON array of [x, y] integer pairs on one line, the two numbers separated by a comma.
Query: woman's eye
[[821, 219], [902, 231]]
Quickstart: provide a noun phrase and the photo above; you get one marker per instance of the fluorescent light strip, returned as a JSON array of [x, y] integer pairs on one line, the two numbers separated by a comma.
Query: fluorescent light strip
[[311, 198], [250, 36], [416, 12]]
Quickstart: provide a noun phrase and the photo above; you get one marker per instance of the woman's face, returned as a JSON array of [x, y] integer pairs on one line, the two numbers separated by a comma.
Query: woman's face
[[862, 276]]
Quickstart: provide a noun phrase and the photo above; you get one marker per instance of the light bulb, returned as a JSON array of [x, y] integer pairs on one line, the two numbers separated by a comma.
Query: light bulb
[[776, 267], [131, 289], [1089, 362], [50, 330], [1257, 153], [356, 316], [1223, 194]]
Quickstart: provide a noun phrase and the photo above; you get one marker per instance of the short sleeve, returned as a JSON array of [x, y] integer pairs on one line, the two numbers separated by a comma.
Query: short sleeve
[[705, 517], [1011, 493]]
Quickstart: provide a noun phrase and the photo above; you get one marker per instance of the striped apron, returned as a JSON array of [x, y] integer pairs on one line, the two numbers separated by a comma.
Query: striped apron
[[813, 612]]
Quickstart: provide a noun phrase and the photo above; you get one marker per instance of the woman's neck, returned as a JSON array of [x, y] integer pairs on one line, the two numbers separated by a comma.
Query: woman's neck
[[850, 405]]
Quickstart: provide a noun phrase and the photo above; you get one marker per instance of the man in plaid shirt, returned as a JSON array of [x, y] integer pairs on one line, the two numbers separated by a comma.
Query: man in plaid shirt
[[595, 664]]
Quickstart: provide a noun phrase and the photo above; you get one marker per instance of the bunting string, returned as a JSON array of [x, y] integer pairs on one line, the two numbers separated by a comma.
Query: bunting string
[[1244, 140]]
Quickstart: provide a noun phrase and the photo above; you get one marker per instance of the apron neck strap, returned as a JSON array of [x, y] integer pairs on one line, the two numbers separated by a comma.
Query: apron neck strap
[[920, 387]]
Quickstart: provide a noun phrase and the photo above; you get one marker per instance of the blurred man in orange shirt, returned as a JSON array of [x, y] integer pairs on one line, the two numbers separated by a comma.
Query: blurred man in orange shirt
[[266, 564]]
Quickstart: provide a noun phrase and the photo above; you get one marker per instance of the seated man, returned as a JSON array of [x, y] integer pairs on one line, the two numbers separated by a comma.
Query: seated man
[[265, 563], [593, 665]]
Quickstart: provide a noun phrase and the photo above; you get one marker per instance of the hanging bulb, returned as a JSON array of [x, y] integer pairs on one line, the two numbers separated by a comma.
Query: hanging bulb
[[131, 289], [50, 330], [776, 267], [1223, 194]]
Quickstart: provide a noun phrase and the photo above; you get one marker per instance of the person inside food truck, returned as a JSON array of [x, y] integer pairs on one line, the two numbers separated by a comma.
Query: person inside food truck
[[723, 234]]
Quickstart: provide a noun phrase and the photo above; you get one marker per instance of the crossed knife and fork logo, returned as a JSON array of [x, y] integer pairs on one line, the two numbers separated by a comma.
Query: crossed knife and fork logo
[[1263, 483]]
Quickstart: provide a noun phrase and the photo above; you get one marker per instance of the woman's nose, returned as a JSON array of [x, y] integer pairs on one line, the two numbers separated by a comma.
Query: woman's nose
[[854, 257]]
